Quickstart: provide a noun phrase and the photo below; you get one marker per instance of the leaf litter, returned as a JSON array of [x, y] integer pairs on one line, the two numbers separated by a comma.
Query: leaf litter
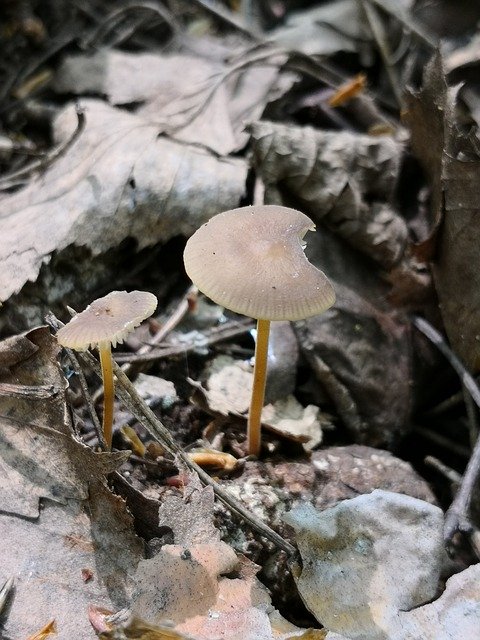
[[162, 140], [58, 518]]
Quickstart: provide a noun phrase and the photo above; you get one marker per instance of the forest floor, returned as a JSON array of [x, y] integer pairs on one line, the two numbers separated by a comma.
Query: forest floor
[[124, 128]]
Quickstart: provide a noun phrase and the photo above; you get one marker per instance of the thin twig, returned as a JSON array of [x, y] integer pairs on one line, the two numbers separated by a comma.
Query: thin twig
[[443, 441], [378, 33], [145, 416], [407, 23], [55, 323], [15, 177], [169, 325], [453, 476], [87, 397], [216, 335], [457, 518], [113, 18]]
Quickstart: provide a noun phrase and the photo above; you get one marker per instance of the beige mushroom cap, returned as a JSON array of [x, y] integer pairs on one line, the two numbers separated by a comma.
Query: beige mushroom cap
[[251, 260], [108, 319]]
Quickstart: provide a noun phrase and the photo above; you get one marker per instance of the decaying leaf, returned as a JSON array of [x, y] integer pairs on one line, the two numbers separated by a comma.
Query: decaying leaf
[[341, 179], [118, 180], [57, 517], [47, 556], [229, 388], [38, 456], [451, 161], [188, 97], [200, 585]]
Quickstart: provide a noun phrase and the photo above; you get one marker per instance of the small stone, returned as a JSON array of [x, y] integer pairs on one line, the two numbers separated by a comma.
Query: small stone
[[367, 559]]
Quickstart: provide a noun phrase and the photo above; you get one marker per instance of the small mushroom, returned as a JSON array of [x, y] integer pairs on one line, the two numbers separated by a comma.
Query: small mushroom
[[106, 322], [251, 260]]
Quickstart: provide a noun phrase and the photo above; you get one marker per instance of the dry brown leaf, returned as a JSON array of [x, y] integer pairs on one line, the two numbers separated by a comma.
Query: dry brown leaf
[[200, 585], [39, 458], [118, 180], [47, 556], [184, 95], [341, 179], [451, 160], [57, 518]]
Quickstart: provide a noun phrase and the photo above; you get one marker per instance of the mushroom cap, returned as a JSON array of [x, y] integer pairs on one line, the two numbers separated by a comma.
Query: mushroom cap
[[251, 260], [108, 319]]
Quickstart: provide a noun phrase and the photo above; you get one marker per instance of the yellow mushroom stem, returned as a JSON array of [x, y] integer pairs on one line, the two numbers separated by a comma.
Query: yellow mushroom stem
[[105, 351], [258, 390]]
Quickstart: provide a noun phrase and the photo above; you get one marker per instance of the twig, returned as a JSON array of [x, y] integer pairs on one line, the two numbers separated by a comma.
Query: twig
[[458, 517], [214, 336], [443, 441], [14, 178], [116, 16], [176, 317], [408, 24], [87, 397], [378, 33], [53, 322], [449, 473], [145, 416]]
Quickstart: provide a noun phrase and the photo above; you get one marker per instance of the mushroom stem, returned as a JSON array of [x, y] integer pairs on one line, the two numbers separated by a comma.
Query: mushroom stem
[[258, 391], [105, 351]]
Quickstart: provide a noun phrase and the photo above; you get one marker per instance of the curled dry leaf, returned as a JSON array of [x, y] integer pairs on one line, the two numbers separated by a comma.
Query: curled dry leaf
[[39, 458], [118, 180], [345, 180]]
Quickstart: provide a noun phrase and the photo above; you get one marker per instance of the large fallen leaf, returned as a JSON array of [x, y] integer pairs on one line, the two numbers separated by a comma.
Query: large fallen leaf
[[118, 180], [188, 97], [452, 163], [61, 564], [66, 538]]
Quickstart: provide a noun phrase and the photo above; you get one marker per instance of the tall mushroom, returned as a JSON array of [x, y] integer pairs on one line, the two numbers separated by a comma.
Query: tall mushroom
[[251, 261], [106, 322]]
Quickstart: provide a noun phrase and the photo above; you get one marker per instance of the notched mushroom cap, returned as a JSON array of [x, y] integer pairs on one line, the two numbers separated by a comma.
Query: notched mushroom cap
[[108, 319], [251, 260]]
